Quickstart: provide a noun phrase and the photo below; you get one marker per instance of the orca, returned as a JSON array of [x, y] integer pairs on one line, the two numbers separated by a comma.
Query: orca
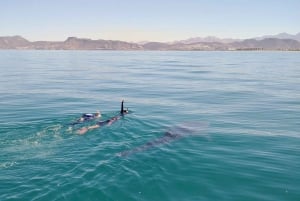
[[174, 133]]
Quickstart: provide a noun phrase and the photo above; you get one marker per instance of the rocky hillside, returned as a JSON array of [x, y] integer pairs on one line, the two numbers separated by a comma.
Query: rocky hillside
[[73, 43]]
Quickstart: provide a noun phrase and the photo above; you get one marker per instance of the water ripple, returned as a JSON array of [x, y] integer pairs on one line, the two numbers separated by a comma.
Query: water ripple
[[249, 151]]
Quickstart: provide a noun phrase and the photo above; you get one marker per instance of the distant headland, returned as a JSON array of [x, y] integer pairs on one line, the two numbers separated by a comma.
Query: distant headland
[[279, 42]]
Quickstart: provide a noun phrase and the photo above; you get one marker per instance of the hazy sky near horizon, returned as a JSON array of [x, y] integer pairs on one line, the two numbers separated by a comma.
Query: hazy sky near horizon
[[139, 20]]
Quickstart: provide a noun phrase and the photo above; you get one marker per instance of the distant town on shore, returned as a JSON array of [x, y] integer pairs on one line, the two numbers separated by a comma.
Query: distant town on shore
[[279, 42]]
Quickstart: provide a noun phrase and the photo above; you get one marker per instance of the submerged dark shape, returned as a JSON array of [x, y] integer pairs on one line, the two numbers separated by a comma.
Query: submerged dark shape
[[174, 133]]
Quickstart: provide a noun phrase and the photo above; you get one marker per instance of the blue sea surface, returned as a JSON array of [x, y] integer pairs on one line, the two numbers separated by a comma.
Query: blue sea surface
[[244, 143]]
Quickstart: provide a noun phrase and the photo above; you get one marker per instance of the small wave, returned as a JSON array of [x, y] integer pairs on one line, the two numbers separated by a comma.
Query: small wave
[[5, 165]]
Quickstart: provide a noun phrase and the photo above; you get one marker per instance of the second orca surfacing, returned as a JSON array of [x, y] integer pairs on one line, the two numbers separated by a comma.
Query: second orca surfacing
[[172, 134]]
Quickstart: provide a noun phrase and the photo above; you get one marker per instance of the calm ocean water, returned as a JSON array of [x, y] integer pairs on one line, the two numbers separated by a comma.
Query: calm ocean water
[[245, 105]]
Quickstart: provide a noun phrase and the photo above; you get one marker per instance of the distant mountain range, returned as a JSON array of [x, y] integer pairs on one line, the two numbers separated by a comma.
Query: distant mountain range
[[281, 36], [230, 40], [72, 43], [281, 41], [208, 39]]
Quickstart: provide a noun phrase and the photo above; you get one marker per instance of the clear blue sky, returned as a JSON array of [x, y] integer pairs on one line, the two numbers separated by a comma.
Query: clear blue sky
[[155, 20]]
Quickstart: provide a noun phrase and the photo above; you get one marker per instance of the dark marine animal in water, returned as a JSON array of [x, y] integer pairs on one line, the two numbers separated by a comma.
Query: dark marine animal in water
[[174, 133], [107, 122]]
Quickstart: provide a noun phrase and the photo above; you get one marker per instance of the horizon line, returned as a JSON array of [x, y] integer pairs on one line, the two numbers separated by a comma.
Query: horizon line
[[149, 40]]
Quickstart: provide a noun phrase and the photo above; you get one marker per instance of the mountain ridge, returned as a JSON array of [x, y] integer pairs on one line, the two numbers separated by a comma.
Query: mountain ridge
[[192, 44], [230, 40], [282, 35]]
